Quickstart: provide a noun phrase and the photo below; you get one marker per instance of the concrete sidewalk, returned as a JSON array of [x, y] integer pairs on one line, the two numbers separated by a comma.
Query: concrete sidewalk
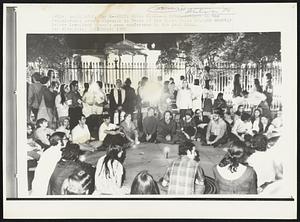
[[151, 157]]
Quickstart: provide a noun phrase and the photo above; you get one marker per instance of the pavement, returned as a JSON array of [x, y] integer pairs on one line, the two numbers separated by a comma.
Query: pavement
[[152, 157]]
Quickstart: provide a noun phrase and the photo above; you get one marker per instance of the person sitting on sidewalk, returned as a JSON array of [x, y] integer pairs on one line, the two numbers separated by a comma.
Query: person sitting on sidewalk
[[81, 135], [185, 175], [216, 133], [166, 130], [149, 127], [242, 127]]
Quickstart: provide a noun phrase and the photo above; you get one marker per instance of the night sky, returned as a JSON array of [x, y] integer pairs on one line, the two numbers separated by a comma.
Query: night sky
[[89, 41]]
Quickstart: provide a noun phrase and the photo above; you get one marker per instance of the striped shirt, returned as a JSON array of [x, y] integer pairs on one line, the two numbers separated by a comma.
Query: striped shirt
[[182, 175]]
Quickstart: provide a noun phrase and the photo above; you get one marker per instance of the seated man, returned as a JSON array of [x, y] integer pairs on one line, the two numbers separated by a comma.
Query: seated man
[[185, 175], [108, 128], [149, 127], [81, 135], [242, 127], [166, 130], [216, 133]]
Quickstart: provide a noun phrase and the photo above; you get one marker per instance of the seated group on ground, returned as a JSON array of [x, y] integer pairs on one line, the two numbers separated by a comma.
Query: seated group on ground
[[56, 155]]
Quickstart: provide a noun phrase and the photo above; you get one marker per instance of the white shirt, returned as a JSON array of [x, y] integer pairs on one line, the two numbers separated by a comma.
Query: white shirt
[[63, 130], [263, 165], [242, 127], [103, 128], [62, 109], [255, 98], [81, 134], [44, 170], [237, 101], [184, 99]]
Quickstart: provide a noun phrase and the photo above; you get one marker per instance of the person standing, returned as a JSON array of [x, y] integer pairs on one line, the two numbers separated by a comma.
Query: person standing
[[237, 88], [100, 98], [88, 100], [269, 90], [116, 100], [75, 107], [34, 96], [130, 97], [184, 99], [61, 103], [207, 99]]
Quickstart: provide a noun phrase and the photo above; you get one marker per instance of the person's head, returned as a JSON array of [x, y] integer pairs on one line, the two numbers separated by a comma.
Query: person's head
[[229, 110], [144, 80], [64, 122], [171, 80], [257, 113], [82, 120], [64, 88], [217, 113], [36, 77], [233, 157], [185, 84], [127, 117], [220, 96], [100, 84], [144, 183], [50, 73], [42, 123], [58, 139], [172, 86], [79, 183], [188, 115], [259, 142], [74, 86], [240, 109], [257, 85], [167, 115], [71, 152], [198, 113], [118, 83], [245, 93], [106, 118], [86, 86], [182, 78], [44, 80], [113, 153], [30, 128], [151, 111], [197, 82], [269, 76], [128, 82], [245, 117], [187, 148]]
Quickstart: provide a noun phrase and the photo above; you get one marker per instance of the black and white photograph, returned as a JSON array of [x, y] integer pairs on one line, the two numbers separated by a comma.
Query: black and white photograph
[[181, 105], [160, 114]]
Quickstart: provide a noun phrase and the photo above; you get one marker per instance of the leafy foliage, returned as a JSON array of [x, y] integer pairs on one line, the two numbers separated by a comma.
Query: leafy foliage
[[51, 50]]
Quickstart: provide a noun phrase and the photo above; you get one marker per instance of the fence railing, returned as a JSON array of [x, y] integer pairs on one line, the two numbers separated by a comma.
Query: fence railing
[[221, 75]]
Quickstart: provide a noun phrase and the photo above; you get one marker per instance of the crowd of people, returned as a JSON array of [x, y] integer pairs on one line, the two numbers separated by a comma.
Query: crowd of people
[[65, 123]]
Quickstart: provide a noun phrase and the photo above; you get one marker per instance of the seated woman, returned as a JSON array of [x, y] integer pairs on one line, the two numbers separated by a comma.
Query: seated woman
[[241, 128], [78, 183], [64, 126], [257, 126], [129, 129], [109, 173], [144, 183], [166, 130], [42, 133], [149, 127], [239, 112], [232, 176], [220, 102]]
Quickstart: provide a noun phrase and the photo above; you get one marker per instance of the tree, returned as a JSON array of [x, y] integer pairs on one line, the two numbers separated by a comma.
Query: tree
[[51, 50]]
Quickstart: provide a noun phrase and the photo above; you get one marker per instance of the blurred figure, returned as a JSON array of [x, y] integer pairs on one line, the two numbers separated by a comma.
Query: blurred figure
[[144, 183], [130, 97]]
